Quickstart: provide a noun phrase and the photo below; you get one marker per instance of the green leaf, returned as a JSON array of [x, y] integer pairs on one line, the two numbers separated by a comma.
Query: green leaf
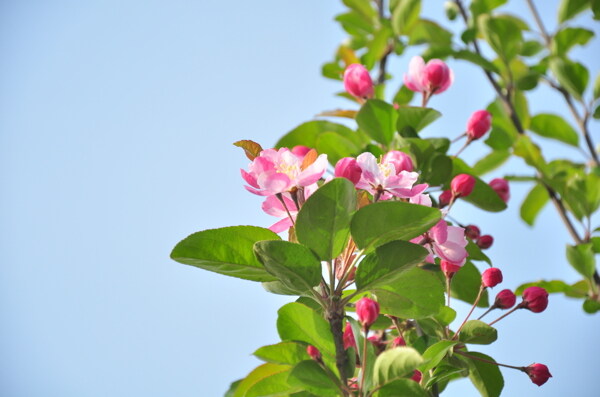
[[403, 96], [402, 388], [415, 293], [476, 254], [436, 353], [293, 264], [572, 76], [377, 47], [486, 377], [554, 127], [438, 169], [395, 364], [378, 119], [476, 59], [310, 376], [405, 15], [569, 8], [568, 37], [502, 34], [596, 244], [416, 117], [485, 6], [335, 146], [591, 306], [429, 32], [266, 379], [478, 332], [596, 113], [278, 288], [226, 251], [355, 24], [531, 48], [530, 152], [581, 257], [490, 162], [577, 290], [323, 223], [482, 196], [597, 87], [385, 221], [289, 353], [359, 340], [387, 262], [362, 7], [298, 322], [465, 285], [535, 200], [232, 387]]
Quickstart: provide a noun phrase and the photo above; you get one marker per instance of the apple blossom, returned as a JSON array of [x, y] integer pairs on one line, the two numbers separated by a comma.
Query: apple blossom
[[449, 268], [433, 77], [447, 242], [357, 81], [400, 160], [348, 168]]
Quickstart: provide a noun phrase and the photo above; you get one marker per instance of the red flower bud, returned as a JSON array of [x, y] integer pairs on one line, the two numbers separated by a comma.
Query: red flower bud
[[445, 198], [401, 161], [535, 299], [398, 341], [462, 185], [357, 81], [367, 311], [538, 373], [417, 376], [348, 336], [348, 168], [501, 187], [505, 299], [313, 352], [472, 232], [491, 277], [300, 150], [377, 343], [449, 268], [478, 124], [437, 75], [485, 241]]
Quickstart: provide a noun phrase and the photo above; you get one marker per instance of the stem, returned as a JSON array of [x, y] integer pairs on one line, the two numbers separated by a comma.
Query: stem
[[458, 138], [463, 148], [363, 363], [481, 289], [335, 316], [280, 198], [486, 312], [504, 315], [488, 361]]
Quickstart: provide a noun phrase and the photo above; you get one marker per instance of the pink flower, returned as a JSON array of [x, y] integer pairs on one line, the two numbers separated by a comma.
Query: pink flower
[[273, 206], [357, 81], [478, 124], [501, 187], [348, 168], [313, 352], [447, 242], [421, 199], [462, 185], [432, 78], [280, 171], [401, 160], [535, 299], [538, 373], [384, 179], [348, 337], [491, 277], [472, 232], [449, 268], [367, 311], [505, 299], [485, 241]]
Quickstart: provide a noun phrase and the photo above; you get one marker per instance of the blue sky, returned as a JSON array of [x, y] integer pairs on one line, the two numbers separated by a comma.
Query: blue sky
[[116, 124]]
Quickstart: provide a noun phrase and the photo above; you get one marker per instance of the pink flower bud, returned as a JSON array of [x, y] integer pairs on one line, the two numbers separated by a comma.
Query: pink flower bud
[[437, 76], [348, 336], [401, 161], [505, 299], [485, 241], [538, 373], [377, 343], [501, 187], [445, 198], [449, 268], [300, 150], [478, 124], [398, 341], [357, 81], [367, 311], [535, 299], [313, 352], [348, 168], [472, 232], [417, 376], [491, 277], [462, 185]]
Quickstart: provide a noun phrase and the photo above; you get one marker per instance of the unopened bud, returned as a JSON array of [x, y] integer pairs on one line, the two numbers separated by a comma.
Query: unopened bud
[[445, 198], [449, 268], [348, 337], [462, 185], [398, 341], [501, 187], [367, 311], [313, 352], [538, 373], [348, 168], [417, 376], [505, 299], [491, 277], [535, 299], [400, 160], [377, 343], [357, 81], [472, 232], [485, 241], [478, 124], [437, 75]]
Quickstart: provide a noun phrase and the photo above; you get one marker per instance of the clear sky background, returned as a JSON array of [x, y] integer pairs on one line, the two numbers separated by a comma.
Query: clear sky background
[[116, 124]]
